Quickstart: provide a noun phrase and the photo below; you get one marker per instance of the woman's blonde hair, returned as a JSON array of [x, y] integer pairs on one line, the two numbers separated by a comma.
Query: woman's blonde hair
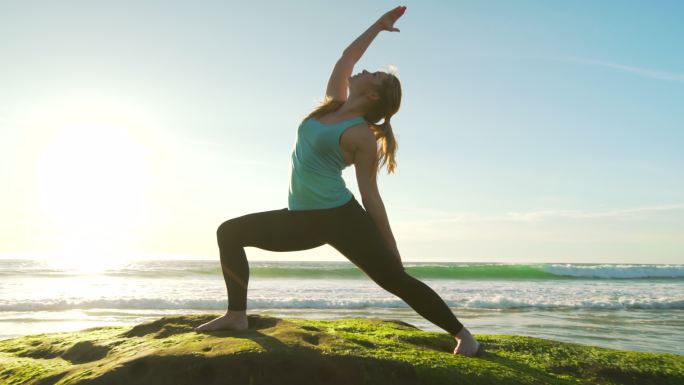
[[386, 106]]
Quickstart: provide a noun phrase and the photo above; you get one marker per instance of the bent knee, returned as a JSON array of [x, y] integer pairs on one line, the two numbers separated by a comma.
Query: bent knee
[[227, 230]]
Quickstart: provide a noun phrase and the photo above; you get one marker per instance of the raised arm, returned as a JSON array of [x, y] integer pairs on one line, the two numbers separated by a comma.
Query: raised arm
[[338, 82]]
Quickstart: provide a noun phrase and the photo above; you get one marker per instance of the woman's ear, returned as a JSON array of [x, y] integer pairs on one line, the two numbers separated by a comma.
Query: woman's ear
[[374, 96]]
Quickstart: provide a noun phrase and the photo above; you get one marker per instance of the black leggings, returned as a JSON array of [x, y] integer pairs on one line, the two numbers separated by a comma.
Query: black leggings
[[347, 228]]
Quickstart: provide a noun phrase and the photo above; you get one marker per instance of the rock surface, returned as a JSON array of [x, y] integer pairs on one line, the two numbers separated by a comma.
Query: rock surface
[[298, 351]]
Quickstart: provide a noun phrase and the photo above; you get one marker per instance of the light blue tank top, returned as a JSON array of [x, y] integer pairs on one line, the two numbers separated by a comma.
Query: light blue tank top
[[316, 166]]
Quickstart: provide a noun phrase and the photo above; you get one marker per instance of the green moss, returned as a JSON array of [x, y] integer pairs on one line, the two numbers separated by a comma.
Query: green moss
[[283, 351]]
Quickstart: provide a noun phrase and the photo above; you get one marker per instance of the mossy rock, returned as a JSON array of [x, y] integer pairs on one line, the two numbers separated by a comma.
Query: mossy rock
[[296, 351]]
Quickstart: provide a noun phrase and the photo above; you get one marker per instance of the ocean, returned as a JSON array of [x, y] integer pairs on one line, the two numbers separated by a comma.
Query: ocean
[[630, 307]]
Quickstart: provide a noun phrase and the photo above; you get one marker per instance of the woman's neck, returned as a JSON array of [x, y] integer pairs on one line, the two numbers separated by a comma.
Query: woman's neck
[[351, 108]]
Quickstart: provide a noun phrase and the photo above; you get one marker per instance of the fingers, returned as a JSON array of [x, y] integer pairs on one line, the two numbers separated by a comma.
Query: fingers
[[391, 17], [398, 12]]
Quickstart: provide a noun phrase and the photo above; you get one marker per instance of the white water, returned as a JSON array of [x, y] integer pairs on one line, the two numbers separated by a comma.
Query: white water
[[633, 314]]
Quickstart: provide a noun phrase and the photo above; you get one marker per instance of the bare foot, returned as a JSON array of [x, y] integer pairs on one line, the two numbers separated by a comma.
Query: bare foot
[[233, 320], [467, 344]]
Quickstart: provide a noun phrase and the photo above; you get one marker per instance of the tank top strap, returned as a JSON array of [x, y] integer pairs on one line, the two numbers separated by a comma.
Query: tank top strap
[[344, 123], [337, 129], [351, 122]]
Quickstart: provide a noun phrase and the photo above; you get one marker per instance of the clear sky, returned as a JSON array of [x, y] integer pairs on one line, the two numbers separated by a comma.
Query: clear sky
[[529, 131]]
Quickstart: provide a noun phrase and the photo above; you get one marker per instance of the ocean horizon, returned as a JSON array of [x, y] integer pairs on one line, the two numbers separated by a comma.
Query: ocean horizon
[[622, 306]]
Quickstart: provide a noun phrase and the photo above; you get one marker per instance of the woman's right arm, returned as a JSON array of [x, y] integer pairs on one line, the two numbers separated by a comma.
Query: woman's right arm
[[338, 82], [366, 165]]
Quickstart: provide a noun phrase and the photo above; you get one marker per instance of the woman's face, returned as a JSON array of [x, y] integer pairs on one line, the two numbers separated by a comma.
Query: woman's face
[[365, 82]]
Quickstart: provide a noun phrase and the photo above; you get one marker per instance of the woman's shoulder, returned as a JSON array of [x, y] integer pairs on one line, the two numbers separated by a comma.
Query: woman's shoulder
[[361, 132]]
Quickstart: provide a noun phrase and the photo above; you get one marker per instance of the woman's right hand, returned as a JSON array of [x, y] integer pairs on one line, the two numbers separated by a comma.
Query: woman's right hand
[[386, 22]]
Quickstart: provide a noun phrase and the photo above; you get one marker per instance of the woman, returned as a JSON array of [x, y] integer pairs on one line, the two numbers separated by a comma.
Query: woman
[[345, 130]]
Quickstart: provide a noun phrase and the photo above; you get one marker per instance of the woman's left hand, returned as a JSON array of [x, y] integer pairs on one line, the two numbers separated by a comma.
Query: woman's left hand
[[387, 20]]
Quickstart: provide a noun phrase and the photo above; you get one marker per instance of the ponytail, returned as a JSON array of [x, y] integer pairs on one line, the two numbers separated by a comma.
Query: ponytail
[[388, 105], [387, 146]]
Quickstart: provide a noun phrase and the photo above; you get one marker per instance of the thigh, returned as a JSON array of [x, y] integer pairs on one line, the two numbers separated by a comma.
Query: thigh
[[277, 230], [358, 238]]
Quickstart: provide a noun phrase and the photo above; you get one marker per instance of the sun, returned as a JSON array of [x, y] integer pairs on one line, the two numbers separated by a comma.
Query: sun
[[93, 179]]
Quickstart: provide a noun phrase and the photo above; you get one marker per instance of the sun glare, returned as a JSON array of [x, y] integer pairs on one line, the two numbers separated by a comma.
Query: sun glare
[[93, 176]]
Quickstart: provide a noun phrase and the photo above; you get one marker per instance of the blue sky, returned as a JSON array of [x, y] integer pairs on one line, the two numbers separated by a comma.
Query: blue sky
[[529, 131]]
